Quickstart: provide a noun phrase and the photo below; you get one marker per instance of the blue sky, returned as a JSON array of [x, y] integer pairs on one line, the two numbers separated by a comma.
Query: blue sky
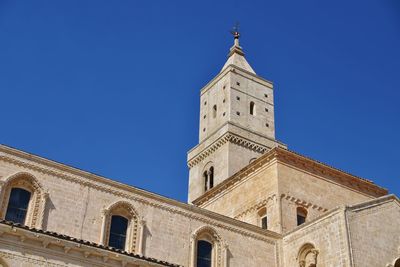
[[112, 87]]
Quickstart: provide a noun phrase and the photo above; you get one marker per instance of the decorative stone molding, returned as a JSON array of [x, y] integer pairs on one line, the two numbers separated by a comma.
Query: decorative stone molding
[[37, 203], [227, 137], [301, 162], [303, 203], [70, 174], [307, 256], [255, 207]]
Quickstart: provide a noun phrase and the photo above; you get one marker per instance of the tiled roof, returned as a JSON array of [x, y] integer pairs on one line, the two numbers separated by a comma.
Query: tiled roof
[[88, 243]]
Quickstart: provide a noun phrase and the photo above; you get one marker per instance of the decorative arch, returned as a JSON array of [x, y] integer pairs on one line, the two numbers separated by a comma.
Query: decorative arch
[[251, 160], [307, 256], [208, 174], [219, 248], [37, 202], [133, 243]]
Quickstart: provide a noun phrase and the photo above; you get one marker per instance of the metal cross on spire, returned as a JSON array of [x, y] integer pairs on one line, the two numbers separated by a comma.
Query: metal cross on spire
[[235, 31]]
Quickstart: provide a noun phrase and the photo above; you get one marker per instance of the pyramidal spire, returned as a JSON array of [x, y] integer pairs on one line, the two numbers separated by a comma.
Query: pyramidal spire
[[236, 54]]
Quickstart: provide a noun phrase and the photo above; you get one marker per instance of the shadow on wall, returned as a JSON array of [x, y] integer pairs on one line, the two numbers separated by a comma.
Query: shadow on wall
[[49, 207], [146, 234]]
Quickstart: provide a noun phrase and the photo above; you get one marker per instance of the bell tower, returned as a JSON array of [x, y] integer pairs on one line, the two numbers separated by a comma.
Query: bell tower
[[236, 123]]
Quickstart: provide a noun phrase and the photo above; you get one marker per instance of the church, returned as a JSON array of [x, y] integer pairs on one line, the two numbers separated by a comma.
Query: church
[[252, 202]]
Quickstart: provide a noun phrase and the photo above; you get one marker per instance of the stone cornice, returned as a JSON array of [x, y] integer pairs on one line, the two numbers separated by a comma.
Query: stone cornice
[[42, 165], [227, 137], [265, 201], [303, 203], [301, 162]]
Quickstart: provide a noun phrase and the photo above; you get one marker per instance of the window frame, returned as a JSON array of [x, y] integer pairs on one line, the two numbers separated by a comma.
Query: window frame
[[135, 228], [36, 208]]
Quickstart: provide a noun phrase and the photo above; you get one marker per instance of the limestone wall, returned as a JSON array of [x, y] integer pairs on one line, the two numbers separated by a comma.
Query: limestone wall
[[76, 201], [375, 232], [327, 235], [247, 196], [300, 188]]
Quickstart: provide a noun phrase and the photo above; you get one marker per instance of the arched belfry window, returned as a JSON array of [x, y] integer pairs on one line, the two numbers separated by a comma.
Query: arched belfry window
[[252, 108], [208, 178], [23, 200], [301, 215], [122, 228], [214, 111], [207, 248], [307, 256]]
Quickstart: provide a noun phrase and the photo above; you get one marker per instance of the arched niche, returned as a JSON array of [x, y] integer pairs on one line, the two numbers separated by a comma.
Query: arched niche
[[307, 256]]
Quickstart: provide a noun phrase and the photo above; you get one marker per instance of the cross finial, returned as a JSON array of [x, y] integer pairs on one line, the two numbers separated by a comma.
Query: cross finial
[[235, 31]]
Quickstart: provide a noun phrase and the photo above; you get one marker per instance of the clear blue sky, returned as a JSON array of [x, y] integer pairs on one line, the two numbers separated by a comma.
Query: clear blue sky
[[112, 87]]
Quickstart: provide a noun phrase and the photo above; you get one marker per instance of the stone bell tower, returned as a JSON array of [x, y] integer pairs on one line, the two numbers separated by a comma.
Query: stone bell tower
[[236, 123]]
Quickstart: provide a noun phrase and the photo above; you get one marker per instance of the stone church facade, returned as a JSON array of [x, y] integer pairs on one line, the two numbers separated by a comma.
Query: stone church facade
[[251, 201]]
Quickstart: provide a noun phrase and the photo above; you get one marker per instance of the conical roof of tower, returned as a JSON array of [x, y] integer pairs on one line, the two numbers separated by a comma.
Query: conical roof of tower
[[236, 57]]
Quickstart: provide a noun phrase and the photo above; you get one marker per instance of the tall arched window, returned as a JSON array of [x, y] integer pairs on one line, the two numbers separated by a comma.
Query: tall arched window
[[204, 253], [122, 228], [397, 263], [208, 176], [252, 108], [18, 205], [205, 177], [118, 229], [214, 111], [23, 200], [301, 215], [211, 177], [207, 248]]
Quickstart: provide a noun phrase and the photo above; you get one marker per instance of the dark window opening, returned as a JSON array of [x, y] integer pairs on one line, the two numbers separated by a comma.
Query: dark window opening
[[204, 253], [301, 215], [264, 222], [205, 176], [119, 226], [211, 177], [18, 205], [214, 111], [300, 219], [252, 108]]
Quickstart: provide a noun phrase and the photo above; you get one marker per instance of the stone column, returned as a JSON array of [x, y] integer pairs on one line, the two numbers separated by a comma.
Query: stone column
[[192, 251], [141, 237], [103, 227]]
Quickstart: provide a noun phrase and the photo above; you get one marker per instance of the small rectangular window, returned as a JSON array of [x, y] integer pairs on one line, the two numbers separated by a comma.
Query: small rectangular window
[[300, 219], [264, 222]]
